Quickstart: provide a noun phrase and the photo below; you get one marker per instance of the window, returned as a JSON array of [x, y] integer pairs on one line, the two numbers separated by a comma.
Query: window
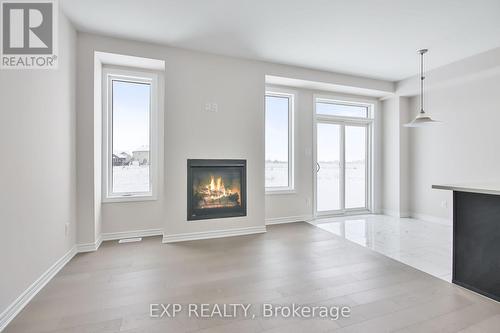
[[341, 109], [279, 142], [343, 157], [129, 154]]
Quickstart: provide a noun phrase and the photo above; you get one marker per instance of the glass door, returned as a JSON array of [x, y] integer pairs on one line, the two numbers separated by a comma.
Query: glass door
[[328, 172], [341, 167], [355, 166]]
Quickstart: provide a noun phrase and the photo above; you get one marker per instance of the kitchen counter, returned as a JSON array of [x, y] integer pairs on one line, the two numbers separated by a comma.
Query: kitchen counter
[[476, 237], [485, 188]]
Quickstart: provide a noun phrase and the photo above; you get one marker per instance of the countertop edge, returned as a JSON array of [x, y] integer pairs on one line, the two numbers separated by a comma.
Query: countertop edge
[[461, 188]]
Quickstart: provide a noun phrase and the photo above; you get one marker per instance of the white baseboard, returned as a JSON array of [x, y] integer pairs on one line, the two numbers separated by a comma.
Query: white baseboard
[[131, 234], [433, 219], [89, 247], [213, 234], [288, 219], [418, 216], [395, 213], [13, 309]]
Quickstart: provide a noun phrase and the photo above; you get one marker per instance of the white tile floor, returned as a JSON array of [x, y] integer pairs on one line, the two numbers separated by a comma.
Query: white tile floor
[[424, 245]]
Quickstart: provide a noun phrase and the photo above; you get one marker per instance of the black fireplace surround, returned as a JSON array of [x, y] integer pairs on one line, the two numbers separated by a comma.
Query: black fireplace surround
[[216, 188]]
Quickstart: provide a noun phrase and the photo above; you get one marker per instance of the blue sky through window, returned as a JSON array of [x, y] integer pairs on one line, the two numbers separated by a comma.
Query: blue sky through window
[[277, 128], [131, 112]]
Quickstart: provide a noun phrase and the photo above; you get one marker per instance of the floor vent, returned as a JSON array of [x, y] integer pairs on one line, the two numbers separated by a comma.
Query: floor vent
[[130, 240]]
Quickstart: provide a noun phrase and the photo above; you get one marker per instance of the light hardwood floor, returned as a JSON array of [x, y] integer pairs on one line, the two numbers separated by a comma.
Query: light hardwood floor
[[111, 290]]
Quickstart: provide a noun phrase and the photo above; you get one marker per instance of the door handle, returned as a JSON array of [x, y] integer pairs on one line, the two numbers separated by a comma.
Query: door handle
[[318, 167]]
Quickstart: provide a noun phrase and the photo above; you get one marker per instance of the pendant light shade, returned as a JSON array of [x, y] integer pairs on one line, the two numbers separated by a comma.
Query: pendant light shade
[[422, 119]]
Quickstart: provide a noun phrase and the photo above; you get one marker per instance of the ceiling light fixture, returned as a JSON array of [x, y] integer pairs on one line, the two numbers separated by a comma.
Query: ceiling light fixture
[[422, 119]]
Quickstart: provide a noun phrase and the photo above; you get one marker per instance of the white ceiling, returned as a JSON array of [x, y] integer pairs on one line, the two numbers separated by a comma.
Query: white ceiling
[[373, 38]]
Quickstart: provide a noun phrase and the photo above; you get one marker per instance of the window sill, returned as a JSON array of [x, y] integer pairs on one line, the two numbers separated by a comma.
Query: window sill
[[279, 191], [341, 213], [133, 198]]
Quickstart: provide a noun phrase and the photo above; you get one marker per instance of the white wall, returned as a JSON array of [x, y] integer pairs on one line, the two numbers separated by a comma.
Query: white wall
[[405, 116], [237, 131], [464, 148], [390, 156], [38, 170], [395, 156]]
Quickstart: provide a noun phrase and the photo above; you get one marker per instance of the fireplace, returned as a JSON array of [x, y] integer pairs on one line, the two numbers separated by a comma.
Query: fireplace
[[216, 189]]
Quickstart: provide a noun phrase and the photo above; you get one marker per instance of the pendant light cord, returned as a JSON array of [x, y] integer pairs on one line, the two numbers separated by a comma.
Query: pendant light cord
[[422, 82], [422, 119]]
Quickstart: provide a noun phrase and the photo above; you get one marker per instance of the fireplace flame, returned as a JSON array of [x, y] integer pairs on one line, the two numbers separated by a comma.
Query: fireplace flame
[[215, 194], [217, 188]]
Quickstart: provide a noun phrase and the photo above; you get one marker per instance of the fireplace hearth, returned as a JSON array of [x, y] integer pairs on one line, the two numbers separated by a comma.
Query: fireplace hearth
[[216, 189]]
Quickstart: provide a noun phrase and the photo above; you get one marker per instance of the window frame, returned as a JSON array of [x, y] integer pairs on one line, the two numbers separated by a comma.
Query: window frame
[[290, 189], [110, 74], [369, 123], [344, 102]]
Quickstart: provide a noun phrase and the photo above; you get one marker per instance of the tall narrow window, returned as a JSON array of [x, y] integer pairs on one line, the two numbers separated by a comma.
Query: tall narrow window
[[279, 142], [129, 155]]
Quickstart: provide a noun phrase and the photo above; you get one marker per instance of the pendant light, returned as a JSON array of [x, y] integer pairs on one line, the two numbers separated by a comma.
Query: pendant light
[[422, 119]]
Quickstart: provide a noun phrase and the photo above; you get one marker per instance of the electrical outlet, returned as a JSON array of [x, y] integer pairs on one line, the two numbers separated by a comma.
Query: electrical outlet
[[444, 204]]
